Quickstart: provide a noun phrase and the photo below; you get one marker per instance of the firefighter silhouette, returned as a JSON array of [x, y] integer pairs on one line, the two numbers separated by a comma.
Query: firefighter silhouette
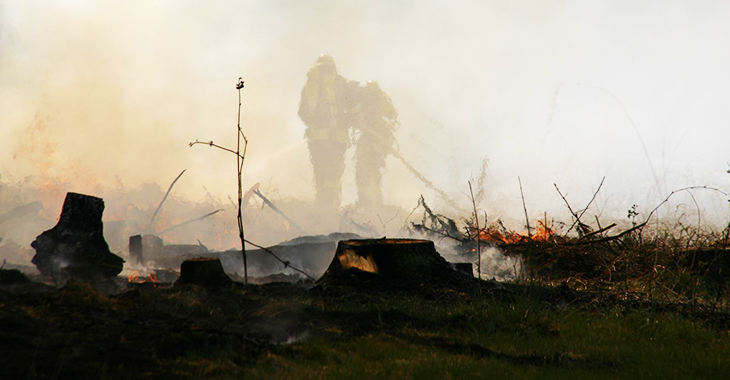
[[375, 123], [330, 107]]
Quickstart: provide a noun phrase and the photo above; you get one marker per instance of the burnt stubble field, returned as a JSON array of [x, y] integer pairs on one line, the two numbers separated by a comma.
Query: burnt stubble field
[[360, 326]]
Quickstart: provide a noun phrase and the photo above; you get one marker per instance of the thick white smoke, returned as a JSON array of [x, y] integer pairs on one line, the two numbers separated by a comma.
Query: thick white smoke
[[100, 97]]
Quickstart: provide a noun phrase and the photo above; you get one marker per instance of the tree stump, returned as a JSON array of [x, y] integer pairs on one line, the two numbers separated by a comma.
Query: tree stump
[[76, 245], [391, 259], [203, 271], [136, 249]]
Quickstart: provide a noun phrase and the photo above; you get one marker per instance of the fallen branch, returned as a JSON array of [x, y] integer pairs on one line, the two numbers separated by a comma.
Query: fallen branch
[[190, 221], [596, 232], [609, 238], [169, 189], [276, 210]]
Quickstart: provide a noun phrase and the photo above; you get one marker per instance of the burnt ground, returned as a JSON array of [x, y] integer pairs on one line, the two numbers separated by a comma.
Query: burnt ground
[[76, 332], [165, 331]]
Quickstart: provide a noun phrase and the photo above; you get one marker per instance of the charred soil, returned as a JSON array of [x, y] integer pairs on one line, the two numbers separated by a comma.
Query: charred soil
[[364, 327]]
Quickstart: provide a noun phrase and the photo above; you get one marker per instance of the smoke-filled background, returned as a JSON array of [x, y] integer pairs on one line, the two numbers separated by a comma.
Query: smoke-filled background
[[103, 98]]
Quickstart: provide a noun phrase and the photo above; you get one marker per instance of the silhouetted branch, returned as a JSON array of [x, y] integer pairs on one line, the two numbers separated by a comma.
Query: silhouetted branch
[[476, 235], [210, 143], [527, 220], [286, 263], [240, 158], [680, 190], [164, 198], [190, 221]]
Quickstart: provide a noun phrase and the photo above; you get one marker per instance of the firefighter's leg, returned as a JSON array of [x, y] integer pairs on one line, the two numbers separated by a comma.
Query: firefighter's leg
[[328, 162], [369, 163]]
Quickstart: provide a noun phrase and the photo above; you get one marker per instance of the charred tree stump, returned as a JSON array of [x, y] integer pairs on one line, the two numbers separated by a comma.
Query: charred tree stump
[[203, 271], [76, 245], [388, 259], [136, 249]]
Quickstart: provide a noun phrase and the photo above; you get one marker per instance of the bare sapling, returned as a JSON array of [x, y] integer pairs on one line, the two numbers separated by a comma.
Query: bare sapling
[[240, 153], [240, 157]]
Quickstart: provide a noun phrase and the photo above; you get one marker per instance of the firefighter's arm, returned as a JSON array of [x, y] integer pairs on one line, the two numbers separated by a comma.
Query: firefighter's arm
[[309, 100]]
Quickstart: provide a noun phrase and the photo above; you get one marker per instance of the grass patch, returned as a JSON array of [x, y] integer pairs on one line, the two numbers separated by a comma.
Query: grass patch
[[422, 331]]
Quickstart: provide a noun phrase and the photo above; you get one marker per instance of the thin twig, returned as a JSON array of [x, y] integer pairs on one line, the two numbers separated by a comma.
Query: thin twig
[[425, 180], [278, 211], [680, 190], [575, 215], [612, 225], [190, 221], [699, 214], [405, 222], [239, 165], [444, 234], [593, 198], [210, 143], [478, 238], [164, 199], [527, 220], [286, 263]]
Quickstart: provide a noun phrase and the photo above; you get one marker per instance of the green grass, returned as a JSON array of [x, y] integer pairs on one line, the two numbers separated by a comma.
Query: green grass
[[405, 337]]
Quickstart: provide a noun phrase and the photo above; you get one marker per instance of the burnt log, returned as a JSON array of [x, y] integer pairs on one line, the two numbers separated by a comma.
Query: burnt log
[[389, 259], [76, 245], [203, 271]]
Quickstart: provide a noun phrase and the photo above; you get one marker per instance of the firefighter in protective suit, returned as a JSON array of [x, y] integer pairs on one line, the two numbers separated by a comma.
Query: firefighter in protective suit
[[326, 99], [331, 105], [375, 122]]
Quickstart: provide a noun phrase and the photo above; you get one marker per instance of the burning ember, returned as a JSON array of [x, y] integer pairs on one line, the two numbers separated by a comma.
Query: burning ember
[[500, 235], [134, 278]]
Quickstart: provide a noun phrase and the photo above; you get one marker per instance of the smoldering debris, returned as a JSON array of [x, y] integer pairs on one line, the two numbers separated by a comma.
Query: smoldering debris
[[310, 254], [498, 266]]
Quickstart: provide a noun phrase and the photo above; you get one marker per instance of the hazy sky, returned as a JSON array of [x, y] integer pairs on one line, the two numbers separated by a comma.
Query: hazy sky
[[566, 92]]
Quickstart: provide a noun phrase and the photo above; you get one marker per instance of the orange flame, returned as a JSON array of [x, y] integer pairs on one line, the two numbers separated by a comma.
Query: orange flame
[[134, 278], [494, 235]]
